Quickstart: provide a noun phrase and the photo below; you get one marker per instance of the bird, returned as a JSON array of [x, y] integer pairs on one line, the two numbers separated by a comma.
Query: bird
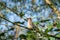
[[30, 24]]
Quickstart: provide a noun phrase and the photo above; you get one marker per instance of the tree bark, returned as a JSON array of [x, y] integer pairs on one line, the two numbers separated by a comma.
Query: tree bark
[[17, 29]]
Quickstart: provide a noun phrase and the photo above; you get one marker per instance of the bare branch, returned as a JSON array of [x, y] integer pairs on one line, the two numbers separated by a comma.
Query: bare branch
[[52, 6], [3, 4], [13, 23]]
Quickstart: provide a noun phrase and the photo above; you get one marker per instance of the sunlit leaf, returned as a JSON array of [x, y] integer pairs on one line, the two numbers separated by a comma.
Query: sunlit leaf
[[50, 26], [36, 23], [51, 38], [58, 25], [31, 35], [58, 35]]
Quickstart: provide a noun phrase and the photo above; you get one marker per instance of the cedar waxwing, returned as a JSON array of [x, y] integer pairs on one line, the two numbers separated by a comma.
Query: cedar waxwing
[[30, 24]]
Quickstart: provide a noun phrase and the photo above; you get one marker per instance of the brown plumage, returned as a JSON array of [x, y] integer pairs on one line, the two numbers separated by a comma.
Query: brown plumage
[[30, 24]]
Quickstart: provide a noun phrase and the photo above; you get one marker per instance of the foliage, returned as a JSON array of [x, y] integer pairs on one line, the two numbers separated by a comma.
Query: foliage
[[58, 25], [31, 35], [22, 36]]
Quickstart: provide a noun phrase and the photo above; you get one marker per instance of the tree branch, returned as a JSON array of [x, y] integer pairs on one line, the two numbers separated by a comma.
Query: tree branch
[[13, 23], [52, 6], [4, 5], [52, 36]]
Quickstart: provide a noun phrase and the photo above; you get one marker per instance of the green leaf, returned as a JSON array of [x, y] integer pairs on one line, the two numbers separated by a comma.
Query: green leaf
[[36, 23], [58, 25], [48, 30], [58, 35], [51, 38], [50, 26], [31, 35]]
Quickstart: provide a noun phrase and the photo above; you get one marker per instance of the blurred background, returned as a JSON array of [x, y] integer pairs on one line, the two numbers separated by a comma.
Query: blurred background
[[43, 15]]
